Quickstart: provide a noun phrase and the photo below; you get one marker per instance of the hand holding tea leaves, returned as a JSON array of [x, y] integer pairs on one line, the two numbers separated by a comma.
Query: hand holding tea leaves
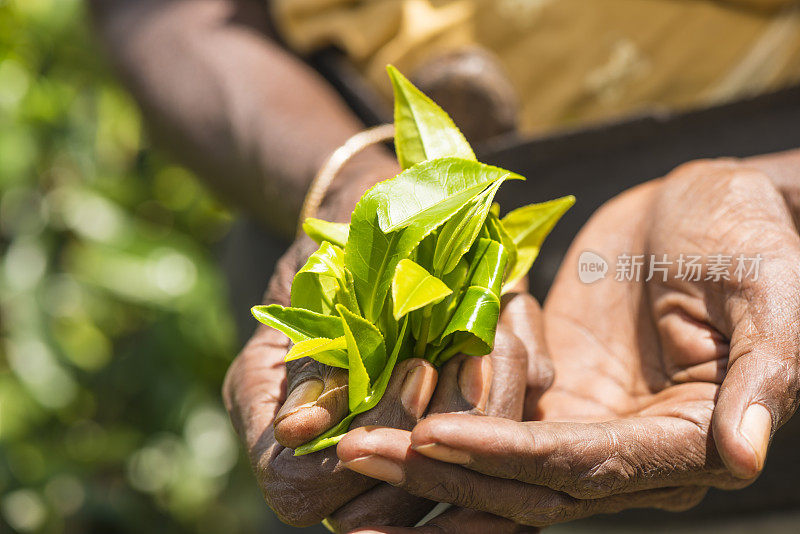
[[663, 388], [277, 407], [420, 269]]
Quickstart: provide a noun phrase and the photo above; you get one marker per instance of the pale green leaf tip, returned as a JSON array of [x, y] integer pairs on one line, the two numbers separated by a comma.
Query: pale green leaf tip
[[395, 75], [396, 78], [567, 202], [256, 311]]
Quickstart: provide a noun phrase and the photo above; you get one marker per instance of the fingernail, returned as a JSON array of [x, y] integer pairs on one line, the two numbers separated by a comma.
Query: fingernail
[[417, 389], [304, 394], [332, 383], [377, 467], [756, 427], [475, 380], [443, 453]]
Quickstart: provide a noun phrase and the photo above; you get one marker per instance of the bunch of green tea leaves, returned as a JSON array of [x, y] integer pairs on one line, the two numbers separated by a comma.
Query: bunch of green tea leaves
[[419, 270]]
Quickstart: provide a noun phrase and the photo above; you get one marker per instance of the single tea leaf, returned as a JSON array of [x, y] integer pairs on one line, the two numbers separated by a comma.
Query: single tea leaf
[[315, 286], [459, 233], [423, 130], [366, 354], [324, 350], [442, 312], [332, 232], [298, 324], [496, 231], [413, 287], [430, 188], [474, 322], [528, 227]]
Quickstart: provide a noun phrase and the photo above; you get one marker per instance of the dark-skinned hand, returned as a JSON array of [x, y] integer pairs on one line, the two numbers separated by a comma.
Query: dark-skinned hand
[[662, 388], [276, 407]]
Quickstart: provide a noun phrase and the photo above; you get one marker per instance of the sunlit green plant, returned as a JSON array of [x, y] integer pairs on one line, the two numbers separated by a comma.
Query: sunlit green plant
[[421, 267], [115, 332]]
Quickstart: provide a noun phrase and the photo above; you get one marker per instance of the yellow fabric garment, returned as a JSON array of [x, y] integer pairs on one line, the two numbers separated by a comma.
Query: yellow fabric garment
[[570, 61]]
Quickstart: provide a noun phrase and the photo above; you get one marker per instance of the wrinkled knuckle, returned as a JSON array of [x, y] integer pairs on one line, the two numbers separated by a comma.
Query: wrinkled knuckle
[[699, 167], [748, 179], [699, 171], [454, 489], [533, 471], [546, 511], [465, 493], [291, 509], [264, 468], [782, 376], [529, 471], [727, 176], [295, 497], [690, 181], [608, 477], [783, 372], [291, 501]]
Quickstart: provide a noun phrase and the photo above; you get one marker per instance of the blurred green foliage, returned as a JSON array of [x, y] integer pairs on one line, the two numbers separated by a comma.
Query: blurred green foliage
[[115, 330]]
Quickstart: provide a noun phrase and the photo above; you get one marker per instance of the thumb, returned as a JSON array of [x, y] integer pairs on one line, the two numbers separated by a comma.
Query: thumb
[[760, 389], [316, 401]]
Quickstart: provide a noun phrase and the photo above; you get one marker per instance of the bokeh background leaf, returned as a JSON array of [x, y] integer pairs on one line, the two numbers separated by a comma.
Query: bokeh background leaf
[[116, 331]]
